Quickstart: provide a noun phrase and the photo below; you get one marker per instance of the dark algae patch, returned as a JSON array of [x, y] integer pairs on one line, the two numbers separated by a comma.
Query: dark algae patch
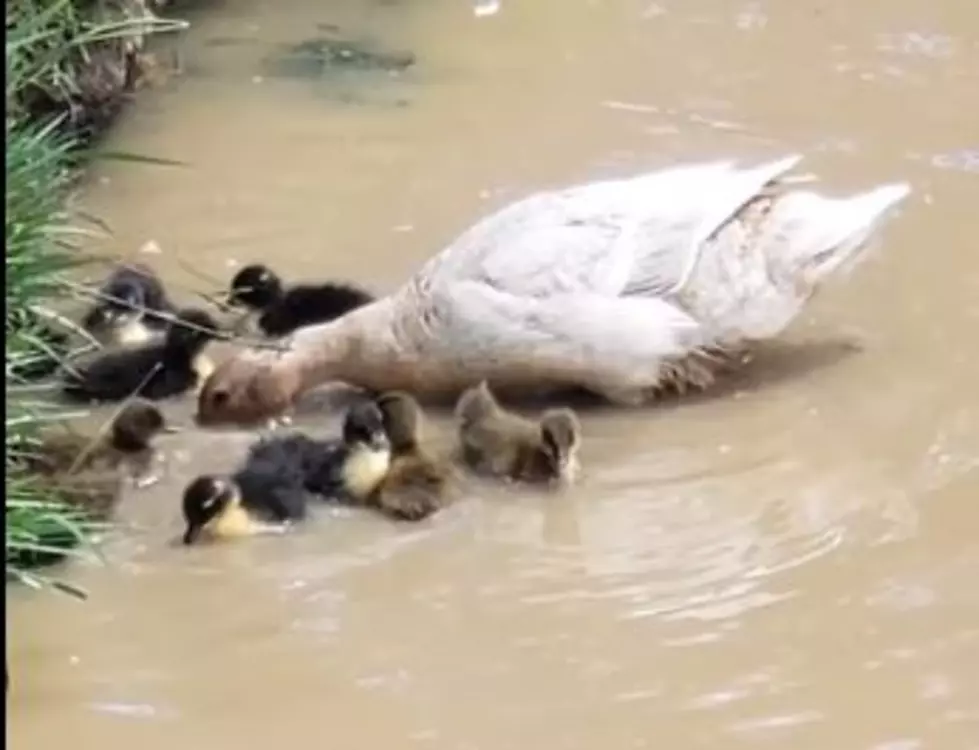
[[324, 56]]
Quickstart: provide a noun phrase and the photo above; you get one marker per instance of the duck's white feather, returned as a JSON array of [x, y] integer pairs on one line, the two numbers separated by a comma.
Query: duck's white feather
[[584, 330], [734, 247], [634, 236]]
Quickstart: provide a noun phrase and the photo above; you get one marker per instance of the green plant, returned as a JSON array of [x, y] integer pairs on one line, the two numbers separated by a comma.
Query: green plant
[[49, 46]]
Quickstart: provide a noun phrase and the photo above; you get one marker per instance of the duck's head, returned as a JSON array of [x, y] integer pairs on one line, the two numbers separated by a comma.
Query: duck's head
[[205, 499], [136, 426], [247, 389], [125, 302], [402, 420], [560, 434], [363, 427], [256, 287], [191, 331]]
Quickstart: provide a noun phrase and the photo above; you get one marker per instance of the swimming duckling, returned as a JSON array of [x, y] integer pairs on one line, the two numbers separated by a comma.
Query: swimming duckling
[[283, 310], [159, 370], [416, 485], [346, 469], [496, 442], [118, 317], [87, 473], [127, 444], [261, 497]]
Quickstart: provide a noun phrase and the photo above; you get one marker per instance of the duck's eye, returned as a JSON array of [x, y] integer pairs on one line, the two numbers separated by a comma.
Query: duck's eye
[[221, 398]]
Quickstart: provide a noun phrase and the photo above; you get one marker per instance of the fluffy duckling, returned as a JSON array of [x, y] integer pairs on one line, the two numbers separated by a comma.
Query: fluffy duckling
[[261, 497], [158, 370], [87, 473], [283, 310], [496, 442], [118, 317], [416, 485], [127, 444], [347, 469]]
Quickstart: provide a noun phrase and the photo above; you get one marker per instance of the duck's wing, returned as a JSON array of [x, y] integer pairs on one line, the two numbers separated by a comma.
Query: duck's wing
[[474, 322], [632, 237]]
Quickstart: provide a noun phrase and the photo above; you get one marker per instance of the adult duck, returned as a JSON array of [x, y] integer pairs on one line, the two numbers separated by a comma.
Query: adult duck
[[621, 287]]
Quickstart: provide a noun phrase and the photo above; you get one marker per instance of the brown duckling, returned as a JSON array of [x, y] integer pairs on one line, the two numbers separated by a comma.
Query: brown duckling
[[416, 485], [498, 443], [284, 309], [87, 473], [157, 370], [119, 317]]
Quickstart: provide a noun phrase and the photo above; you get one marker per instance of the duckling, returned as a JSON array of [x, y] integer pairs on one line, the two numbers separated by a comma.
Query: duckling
[[158, 370], [118, 317], [88, 476], [496, 442], [283, 310], [346, 469], [416, 485], [262, 497], [128, 444]]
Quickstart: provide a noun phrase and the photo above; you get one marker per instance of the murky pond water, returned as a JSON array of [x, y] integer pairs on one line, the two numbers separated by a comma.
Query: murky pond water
[[791, 563]]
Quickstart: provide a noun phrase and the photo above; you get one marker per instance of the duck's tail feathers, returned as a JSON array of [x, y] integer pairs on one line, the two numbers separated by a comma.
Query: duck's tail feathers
[[827, 236], [475, 404]]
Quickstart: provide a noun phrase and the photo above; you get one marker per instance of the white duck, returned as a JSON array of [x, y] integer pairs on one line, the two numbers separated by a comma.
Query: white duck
[[621, 287]]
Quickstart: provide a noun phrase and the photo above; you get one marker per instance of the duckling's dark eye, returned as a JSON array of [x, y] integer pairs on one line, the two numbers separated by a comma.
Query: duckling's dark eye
[[221, 398]]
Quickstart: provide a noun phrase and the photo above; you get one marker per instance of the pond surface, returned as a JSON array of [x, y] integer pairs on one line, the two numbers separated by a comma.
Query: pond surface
[[791, 563]]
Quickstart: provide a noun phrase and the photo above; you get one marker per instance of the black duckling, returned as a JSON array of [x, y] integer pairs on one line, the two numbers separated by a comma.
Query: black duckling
[[283, 310], [126, 446], [416, 485], [345, 469], [119, 317], [261, 497], [159, 370], [496, 442], [53, 346]]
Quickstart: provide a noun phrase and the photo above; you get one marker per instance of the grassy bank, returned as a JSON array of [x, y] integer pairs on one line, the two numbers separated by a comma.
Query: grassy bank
[[70, 66]]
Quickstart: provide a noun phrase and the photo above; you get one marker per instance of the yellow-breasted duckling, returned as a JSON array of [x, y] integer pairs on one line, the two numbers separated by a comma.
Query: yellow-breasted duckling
[[416, 484], [119, 317], [87, 473], [157, 370], [498, 443], [284, 309], [261, 497], [346, 469]]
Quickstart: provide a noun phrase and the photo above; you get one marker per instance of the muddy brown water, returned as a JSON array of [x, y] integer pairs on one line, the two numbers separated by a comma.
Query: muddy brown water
[[792, 563]]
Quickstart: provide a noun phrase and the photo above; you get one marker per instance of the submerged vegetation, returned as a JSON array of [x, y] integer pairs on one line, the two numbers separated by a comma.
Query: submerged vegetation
[[69, 65]]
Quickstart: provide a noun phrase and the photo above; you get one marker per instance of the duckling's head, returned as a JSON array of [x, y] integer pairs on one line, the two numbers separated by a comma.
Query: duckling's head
[[560, 434], [256, 286], [136, 426], [125, 301], [402, 420], [191, 331], [363, 426], [475, 404], [205, 499]]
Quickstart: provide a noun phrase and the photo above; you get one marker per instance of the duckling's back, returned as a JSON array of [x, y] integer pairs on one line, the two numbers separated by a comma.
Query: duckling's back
[[497, 442], [416, 486]]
